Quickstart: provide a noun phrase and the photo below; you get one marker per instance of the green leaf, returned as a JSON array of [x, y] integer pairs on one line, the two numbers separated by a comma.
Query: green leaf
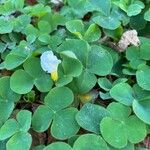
[[44, 38], [17, 56], [75, 26], [93, 33], [72, 66], [144, 51], [24, 120], [8, 129], [19, 4], [128, 147], [122, 111], [79, 47], [108, 22], [141, 109], [90, 141], [20, 140], [38, 123], [44, 27], [122, 93], [105, 84], [140, 93], [99, 61], [64, 124], [116, 134], [59, 98], [42, 81], [37, 10], [143, 76], [134, 9], [63, 80], [6, 110], [84, 83], [90, 116], [21, 82], [124, 126], [133, 53], [5, 26], [6, 94], [147, 15], [58, 146], [132, 124], [21, 22], [3, 145], [102, 6], [33, 63], [12, 61]]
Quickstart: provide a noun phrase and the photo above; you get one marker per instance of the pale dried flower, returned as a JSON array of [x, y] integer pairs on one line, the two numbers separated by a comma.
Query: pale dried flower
[[129, 37]]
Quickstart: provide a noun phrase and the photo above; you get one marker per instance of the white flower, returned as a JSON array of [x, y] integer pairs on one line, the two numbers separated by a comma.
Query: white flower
[[57, 2], [49, 62]]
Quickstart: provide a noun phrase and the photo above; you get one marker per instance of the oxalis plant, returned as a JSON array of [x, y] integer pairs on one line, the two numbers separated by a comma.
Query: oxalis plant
[[75, 74]]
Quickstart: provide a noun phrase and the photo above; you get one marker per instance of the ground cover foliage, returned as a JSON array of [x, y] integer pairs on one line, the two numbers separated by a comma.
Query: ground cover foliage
[[66, 84]]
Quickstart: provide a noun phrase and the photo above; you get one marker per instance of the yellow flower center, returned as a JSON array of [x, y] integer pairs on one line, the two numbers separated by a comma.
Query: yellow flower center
[[54, 76]]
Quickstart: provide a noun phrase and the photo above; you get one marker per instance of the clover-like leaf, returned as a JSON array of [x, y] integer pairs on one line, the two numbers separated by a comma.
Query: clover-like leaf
[[6, 94], [147, 15], [144, 51], [134, 9], [129, 146], [135, 56], [21, 82], [6, 26], [117, 135], [124, 126], [59, 98], [93, 33], [103, 8], [90, 141], [83, 83], [79, 47], [42, 81], [6, 110], [58, 146], [142, 76], [20, 140], [38, 123], [142, 109], [44, 27], [75, 26], [64, 123], [99, 61], [37, 10], [55, 109], [19, 4], [122, 93], [10, 127], [110, 22], [140, 93], [72, 66], [105, 84], [17, 56], [90, 116], [24, 120]]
